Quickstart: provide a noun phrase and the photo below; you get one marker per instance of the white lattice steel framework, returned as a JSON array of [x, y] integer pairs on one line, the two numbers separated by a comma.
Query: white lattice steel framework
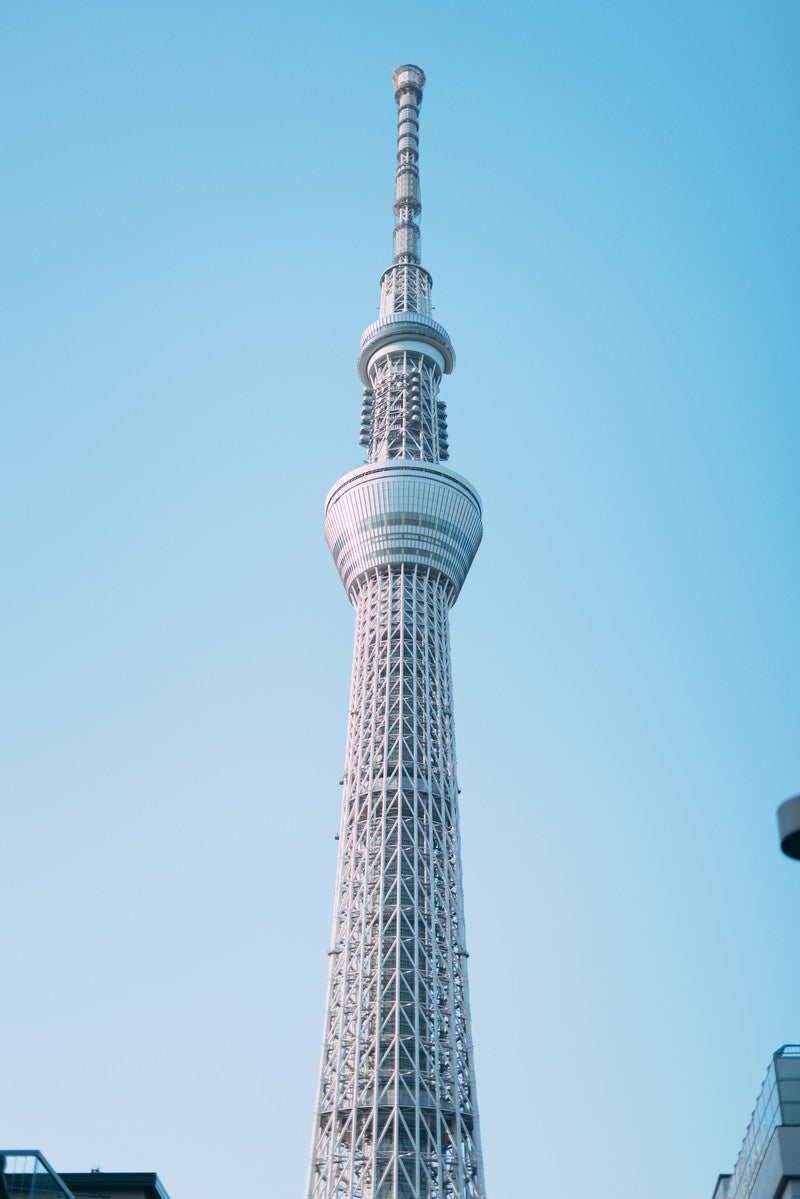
[[396, 1115]]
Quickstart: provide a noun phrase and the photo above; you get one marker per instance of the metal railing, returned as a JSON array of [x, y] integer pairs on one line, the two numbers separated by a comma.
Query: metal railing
[[26, 1172], [778, 1103]]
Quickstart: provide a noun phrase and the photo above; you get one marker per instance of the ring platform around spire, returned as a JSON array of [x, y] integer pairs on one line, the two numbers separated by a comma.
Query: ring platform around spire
[[404, 326]]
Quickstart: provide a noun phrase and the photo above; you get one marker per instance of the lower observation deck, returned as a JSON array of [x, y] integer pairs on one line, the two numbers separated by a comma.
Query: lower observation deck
[[403, 512]]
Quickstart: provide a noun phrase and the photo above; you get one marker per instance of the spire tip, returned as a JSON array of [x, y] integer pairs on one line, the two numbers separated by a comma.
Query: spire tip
[[408, 76]]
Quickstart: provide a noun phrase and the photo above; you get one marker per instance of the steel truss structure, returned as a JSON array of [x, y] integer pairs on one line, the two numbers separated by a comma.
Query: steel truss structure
[[396, 1115]]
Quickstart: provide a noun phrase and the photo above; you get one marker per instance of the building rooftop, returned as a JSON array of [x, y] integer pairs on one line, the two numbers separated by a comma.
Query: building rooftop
[[119, 1186], [28, 1172], [765, 1156]]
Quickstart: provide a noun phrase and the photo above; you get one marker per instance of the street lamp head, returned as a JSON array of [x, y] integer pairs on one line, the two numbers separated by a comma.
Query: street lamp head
[[789, 826]]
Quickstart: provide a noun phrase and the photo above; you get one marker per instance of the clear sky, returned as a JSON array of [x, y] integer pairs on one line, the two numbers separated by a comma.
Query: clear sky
[[196, 209]]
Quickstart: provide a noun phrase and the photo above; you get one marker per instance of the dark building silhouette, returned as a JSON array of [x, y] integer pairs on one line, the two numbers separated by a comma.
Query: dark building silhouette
[[27, 1172]]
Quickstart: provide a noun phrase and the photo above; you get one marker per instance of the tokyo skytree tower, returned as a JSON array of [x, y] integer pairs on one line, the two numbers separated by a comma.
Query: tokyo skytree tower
[[396, 1114]]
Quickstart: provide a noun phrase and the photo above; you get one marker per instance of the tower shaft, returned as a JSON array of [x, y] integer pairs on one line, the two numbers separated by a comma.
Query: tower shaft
[[396, 1115]]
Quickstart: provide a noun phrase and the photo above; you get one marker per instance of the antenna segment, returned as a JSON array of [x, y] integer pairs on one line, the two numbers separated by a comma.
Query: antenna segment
[[405, 352]]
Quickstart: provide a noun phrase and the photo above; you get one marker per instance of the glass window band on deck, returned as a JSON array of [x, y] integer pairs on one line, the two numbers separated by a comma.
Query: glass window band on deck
[[389, 520], [393, 514]]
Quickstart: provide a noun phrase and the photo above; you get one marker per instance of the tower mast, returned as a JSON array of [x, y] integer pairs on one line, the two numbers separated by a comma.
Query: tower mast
[[396, 1114]]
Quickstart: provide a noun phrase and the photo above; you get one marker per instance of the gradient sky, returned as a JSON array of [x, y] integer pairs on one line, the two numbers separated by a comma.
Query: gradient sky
[[196, 210]]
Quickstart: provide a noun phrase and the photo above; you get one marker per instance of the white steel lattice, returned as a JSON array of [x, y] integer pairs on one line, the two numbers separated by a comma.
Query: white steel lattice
[[397, 1115], [406, 421], [405, 288]]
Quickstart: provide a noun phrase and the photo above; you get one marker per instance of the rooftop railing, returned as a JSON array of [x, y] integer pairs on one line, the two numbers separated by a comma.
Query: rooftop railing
[[778, 1103], [27, 1172]]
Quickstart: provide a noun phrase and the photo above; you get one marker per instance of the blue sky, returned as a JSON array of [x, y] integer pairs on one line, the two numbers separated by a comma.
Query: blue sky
[[197, 209]]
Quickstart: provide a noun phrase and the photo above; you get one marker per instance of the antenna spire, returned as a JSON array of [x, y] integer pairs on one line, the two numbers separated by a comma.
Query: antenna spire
[[408, 82], [405, 352], [406, 286]]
